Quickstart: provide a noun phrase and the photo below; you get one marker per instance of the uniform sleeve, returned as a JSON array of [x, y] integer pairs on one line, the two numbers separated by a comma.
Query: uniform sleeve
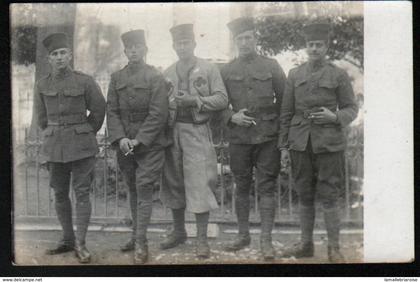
[[95, 103], [157, 117], [217, 100], [113, 119], [287, 111], [347, 106], [39, 110], [228, 112]]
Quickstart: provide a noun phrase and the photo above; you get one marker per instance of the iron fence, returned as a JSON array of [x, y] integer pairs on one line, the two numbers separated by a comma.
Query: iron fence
[[33, 198]]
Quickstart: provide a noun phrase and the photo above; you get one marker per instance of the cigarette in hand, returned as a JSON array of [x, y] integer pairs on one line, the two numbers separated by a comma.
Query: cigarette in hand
[[129, 152], [253, 122]]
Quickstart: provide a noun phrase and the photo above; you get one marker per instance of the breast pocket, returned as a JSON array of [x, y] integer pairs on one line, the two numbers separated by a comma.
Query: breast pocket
[[326, 88], [236, 86], [50, 99], [75, 99], [142, 93], [263, 84]]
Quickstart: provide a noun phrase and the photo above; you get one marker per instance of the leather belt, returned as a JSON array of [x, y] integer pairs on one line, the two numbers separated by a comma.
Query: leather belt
[[257, 112], [67, 119], [136, 116]]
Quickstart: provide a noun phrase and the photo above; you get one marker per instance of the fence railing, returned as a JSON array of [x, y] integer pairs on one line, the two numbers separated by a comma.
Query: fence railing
[[34, 198]]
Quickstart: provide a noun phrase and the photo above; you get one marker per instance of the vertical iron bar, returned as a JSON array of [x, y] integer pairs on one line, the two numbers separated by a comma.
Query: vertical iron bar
[[49, 201], [347, 187], [222, 180], [290, 183], [360, 178], [233, 200], [116, 189], [105, 176], [279, 196], [94, 196], [26, 170], [256, 194], [37, 172]]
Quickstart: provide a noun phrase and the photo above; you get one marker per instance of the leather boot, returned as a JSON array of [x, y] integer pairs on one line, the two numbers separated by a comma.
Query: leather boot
[[266, 246], [141, 253], [178, 235], [305, 248], [267, 213], [129, 245], [66, 244], [243, 239], [61, 247], [202, 248], [144, 212], [83, 211], [82, 252], [332, 224]]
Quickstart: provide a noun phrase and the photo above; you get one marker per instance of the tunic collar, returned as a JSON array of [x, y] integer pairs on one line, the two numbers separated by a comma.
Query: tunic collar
[[134, 67], [62, 74], [248, 58]]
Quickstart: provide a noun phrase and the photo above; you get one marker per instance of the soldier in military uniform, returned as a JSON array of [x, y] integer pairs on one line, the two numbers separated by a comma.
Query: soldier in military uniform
[[61, 102], [137, 116], [255, 88], [190, 170], [317, 104]]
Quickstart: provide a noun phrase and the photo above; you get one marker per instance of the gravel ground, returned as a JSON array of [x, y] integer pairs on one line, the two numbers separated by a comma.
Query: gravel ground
[[104, 246]]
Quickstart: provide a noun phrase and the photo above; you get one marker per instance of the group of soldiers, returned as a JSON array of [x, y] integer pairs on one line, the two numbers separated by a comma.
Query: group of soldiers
[[159, 126]]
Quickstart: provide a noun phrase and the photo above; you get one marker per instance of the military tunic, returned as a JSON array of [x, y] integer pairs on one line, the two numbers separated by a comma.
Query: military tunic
[[61, 102], [138, 109], [316, 147], [255, 83]]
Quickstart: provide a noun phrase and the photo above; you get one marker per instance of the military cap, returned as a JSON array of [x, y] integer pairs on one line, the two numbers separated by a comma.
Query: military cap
[[240, 25], [316, 31], [133, 37], [55, 41], [182, 31]]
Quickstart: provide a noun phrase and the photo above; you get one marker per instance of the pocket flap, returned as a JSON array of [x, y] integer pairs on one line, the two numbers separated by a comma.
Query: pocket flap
[[141, 85], [269, 116], [327, 84], [331, 125], [48, 131], [299, 82], [49, 93], [83, 128], [73, 92], [262, 76], [120, 86]]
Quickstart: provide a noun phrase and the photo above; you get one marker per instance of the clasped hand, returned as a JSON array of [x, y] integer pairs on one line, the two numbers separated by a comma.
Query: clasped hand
[[183, 99], [127, 145]]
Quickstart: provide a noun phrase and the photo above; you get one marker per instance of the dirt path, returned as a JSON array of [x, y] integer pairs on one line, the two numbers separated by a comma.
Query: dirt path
[[104, 246]]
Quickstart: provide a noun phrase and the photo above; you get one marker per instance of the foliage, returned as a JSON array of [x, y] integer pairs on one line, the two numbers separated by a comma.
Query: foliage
[[277, 34], [23, 44]]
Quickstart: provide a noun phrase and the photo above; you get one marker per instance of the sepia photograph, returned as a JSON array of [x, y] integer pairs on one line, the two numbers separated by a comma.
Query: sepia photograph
[[188, 133]]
